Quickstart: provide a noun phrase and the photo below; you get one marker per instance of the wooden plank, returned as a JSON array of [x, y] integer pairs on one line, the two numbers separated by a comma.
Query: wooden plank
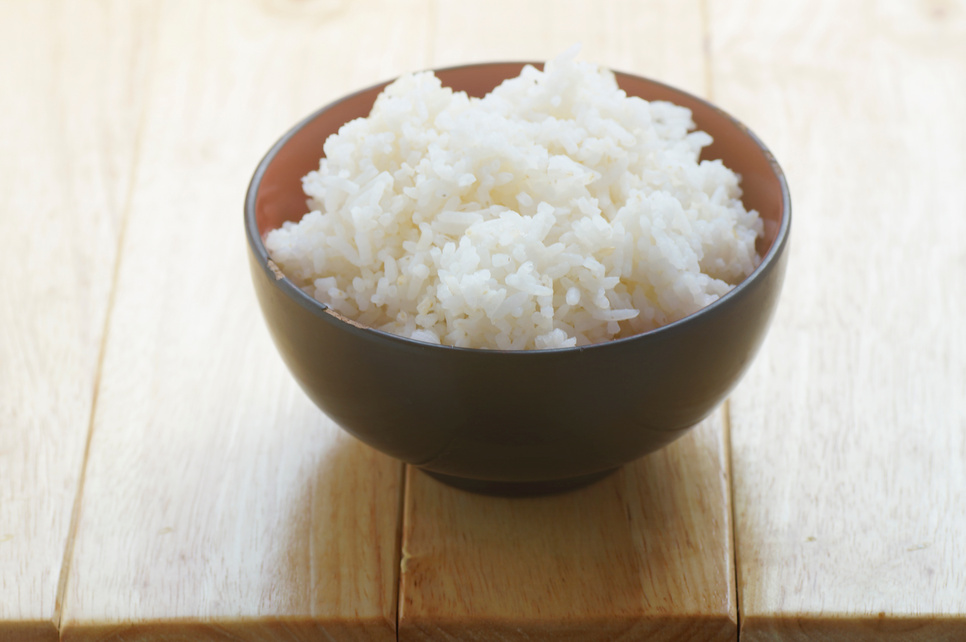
[[850, 435], [644, 554], [68, 116], [219, 503]]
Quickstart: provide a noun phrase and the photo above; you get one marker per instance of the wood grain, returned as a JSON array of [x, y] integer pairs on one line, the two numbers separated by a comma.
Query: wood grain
[[644, 554], [68, 112], [219, 503], [850, 434]]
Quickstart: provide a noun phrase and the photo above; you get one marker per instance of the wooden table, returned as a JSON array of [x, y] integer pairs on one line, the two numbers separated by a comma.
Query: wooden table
[[161, 476]]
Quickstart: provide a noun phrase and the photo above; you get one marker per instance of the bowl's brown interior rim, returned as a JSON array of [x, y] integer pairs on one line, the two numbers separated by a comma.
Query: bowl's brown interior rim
[[256, 196]]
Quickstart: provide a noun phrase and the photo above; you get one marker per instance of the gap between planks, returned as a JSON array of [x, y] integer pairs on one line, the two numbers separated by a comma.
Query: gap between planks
[[706, 49], [729, 471], [400, 517]]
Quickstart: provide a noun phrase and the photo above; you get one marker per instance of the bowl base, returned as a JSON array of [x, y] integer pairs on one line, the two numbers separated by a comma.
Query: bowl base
[[519, 488]]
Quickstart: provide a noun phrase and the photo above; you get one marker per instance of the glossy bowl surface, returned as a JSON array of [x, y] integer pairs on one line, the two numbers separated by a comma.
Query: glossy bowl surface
[[517, 421]]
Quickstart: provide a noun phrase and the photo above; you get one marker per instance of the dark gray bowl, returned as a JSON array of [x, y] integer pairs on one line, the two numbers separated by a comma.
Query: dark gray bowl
[[517, 421]]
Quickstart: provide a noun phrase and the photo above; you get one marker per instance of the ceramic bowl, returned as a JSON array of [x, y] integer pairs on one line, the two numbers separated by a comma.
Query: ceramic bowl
[[517, 421]]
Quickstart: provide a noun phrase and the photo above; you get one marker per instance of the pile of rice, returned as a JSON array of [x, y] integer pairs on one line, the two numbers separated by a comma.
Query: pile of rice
[[555, 212]]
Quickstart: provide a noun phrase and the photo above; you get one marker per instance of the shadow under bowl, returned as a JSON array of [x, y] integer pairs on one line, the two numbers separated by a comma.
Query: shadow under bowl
[[517, 422]]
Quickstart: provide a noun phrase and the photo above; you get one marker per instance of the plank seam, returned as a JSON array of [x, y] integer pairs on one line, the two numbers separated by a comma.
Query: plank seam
[[705, 11], [729, 460], [432, 18], [401, 515]]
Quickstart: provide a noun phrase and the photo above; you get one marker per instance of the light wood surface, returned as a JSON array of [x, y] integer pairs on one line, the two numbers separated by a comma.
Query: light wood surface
[[849, 435], [654, 38], [217, 503], [216, 496], [643, 555], [67, 145]]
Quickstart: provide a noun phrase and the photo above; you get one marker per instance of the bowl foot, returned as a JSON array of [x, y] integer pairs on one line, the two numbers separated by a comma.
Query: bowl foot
[[519, 488]]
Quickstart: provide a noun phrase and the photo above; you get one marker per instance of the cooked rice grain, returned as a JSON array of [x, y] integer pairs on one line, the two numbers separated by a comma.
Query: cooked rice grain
[[556, 211]]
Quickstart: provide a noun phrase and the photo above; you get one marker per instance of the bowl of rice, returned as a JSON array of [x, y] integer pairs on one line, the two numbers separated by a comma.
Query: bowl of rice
[[518, 277]]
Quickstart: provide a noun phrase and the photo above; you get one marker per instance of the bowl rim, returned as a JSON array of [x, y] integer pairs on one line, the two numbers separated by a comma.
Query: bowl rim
[[287, 286]]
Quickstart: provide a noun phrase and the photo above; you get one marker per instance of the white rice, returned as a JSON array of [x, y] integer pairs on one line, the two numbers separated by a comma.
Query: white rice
[[556, 211]]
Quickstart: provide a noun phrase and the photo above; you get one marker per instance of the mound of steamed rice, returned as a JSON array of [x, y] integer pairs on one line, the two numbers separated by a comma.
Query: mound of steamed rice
[[556, 211]]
